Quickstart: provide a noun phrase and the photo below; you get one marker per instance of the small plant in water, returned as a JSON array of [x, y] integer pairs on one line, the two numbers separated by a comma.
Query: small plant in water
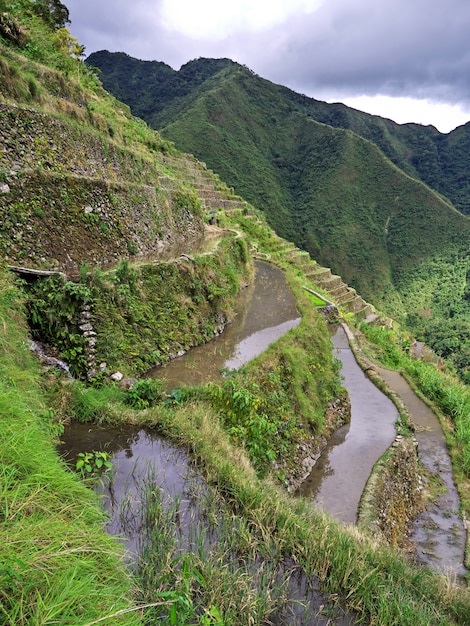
[[93, 463]]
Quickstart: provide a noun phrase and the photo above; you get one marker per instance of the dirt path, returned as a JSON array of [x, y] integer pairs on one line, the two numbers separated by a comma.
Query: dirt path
[[438, 533]]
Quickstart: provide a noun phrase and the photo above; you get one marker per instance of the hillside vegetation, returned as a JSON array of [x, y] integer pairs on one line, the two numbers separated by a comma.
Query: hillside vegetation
[[158, 94], [113, 220], [347, 187]]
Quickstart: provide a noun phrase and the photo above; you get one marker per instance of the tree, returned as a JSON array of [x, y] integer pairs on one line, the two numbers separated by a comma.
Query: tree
[[53, 12]]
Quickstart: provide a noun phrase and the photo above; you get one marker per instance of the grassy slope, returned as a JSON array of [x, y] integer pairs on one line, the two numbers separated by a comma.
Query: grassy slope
[[333, 192], [158, 94], [327, 189], [80, 584], [57, 565]]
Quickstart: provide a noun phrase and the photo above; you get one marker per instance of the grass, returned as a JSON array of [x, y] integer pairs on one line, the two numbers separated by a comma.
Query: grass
[[56, 563], [370, 579], [207, 565]]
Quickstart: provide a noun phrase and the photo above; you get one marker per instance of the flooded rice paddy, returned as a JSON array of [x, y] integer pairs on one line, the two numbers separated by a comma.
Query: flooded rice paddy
[[264, 313], [338, 478]]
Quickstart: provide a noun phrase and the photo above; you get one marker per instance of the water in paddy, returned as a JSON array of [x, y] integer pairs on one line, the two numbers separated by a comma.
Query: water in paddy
[[141, 458], [339, 476], [264, 314], [265, 311]]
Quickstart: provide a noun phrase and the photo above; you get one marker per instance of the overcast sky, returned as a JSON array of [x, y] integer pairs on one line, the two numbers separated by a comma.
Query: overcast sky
[[408, 60]]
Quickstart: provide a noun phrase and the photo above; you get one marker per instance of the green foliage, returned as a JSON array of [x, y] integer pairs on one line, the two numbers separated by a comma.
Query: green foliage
[[146, 313], [54, 308], [244, 415], [56, 561], [93, 464], [94, 404], [187, 201], [145, 393], [53, 12]]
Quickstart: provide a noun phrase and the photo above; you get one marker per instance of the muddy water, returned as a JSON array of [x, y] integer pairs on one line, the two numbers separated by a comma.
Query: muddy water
[[438, 533], [263, 316], [339, 476], [140, 456], [265, 311], [135, 453]]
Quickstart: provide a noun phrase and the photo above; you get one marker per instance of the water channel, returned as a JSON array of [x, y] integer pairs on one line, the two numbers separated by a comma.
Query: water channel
[[337, 480]]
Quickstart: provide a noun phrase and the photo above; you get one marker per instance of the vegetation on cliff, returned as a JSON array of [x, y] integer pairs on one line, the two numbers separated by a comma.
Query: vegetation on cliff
[[89, 190]]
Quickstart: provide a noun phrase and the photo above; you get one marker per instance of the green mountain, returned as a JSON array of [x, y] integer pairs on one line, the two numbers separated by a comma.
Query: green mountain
[[373, 200], [158, 94]]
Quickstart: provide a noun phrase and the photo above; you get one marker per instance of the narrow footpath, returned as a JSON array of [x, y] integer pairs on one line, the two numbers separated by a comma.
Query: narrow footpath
[[438, 533]]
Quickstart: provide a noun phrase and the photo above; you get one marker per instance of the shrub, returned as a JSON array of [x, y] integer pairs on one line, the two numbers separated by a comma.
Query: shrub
[[145, 393]]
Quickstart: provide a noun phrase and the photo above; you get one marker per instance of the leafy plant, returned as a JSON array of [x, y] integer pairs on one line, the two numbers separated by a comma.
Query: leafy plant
[[93, 463], [145, 393], [250, 420]]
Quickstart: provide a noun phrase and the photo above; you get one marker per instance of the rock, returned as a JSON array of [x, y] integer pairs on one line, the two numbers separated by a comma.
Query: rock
[[127, 383], [117, 376], [4, 188]]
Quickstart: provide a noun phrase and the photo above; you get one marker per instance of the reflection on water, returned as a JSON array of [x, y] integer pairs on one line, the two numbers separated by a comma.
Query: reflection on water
[[265, 311], [338, 478], [195, 520], [136, 454]]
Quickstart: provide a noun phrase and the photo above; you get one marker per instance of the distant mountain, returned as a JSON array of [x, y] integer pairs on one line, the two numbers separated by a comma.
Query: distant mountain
[[371, 199], [158, 94]]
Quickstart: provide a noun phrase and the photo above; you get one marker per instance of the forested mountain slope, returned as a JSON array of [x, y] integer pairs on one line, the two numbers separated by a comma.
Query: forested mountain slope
[[90, 190], [324, 176], [157, 93]]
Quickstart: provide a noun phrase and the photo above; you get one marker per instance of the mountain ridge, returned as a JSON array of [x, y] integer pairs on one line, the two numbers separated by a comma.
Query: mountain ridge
[[339, 183], [387, 134]]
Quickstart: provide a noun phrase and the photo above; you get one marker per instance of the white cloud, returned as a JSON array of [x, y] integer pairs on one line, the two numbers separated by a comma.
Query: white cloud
[[445, 117], [215, 19], [415, 52]]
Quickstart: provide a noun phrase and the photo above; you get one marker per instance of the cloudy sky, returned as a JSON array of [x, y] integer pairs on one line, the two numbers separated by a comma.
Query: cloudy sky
[[408, 60]]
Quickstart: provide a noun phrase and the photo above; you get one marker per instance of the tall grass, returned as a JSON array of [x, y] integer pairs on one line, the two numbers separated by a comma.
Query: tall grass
[[199, 562], [373, 580], [57, 566]]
